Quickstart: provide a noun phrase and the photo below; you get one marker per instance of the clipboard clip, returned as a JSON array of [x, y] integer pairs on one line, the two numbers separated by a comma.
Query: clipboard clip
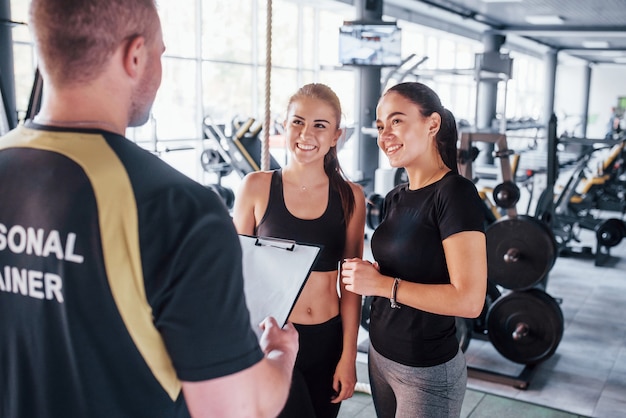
[[284, 244]]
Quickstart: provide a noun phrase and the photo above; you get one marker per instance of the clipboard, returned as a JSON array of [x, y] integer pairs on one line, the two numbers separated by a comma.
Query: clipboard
[[274, 273]]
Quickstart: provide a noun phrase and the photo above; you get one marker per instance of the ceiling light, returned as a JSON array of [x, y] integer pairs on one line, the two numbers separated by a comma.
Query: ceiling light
[[545, 20], [596, 44], [609, 54]]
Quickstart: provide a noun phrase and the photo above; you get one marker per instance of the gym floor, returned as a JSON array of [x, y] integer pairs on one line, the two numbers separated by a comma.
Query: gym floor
[[586, 376]]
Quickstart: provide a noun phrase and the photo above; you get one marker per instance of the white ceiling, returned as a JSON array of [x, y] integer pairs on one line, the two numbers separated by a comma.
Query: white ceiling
[[591, 30]]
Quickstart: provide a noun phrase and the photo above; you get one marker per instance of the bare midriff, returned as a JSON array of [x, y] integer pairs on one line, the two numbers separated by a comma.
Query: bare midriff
[[319, 301]]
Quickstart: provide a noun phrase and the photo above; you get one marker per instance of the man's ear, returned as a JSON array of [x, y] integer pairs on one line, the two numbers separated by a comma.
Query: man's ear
[[134, 54]]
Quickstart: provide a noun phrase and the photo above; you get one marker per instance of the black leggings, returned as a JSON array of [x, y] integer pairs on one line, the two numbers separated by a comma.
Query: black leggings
[[312, 384]]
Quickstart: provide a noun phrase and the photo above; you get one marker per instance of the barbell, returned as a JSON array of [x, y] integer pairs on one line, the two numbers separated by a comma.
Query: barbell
[[521, 250], [526, 326]]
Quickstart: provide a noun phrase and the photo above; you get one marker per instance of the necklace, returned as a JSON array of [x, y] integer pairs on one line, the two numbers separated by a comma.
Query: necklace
[[94, 124], [303, 188]]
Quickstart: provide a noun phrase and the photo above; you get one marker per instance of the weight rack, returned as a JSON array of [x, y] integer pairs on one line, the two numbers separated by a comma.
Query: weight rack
[[516, 254]]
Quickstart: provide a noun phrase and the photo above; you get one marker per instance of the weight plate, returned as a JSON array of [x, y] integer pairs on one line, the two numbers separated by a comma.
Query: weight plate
[[521, 250], [526, 327], [610, 232], [366, 310], [374, 210], [465, 327], [229, 197], [464, 331], [506, 195], [493, 293], [209, 157], [226, 194], [212, 162], [400, 176]]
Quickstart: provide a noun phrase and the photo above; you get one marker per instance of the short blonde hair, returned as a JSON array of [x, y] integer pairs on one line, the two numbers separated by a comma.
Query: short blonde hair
[[74, 39]]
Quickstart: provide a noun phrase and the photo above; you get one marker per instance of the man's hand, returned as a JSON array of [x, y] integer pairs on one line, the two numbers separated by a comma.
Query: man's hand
[[276, 341]]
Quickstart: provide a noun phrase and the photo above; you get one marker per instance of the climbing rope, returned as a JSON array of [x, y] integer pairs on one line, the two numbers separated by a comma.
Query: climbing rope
[[265, 148]]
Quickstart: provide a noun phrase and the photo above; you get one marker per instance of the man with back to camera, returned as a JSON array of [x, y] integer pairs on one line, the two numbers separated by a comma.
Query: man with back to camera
[[121, 290]]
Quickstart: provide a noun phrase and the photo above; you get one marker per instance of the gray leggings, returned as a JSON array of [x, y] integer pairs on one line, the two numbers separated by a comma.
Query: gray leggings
[[409, 392]]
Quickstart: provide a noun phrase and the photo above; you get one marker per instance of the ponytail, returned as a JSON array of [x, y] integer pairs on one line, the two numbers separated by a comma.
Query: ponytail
[[446, 140]]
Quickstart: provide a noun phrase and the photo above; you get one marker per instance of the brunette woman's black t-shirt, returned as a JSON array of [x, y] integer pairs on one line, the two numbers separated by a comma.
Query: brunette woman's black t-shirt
[[408, 245]]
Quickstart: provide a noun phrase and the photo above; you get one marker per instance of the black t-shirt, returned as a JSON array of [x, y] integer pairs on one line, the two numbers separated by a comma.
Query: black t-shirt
[[118, 277], [408, 245]]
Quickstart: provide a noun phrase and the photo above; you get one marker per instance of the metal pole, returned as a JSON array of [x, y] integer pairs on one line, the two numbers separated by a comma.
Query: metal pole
[[369, 86], [586, 90], [7, 75], [487, 100]]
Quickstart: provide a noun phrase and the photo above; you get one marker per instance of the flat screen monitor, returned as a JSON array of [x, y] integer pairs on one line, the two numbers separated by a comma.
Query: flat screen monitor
[[370, 44]]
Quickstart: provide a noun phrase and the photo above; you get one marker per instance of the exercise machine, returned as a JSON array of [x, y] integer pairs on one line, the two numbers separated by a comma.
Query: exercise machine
[[590, 192], [236, 147]]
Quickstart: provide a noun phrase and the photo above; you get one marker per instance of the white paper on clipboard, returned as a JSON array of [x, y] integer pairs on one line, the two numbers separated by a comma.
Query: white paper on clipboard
[[274, 272]]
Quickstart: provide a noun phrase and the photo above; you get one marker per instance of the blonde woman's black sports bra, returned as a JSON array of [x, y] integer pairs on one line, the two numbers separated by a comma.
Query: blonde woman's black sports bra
[[328, 231]]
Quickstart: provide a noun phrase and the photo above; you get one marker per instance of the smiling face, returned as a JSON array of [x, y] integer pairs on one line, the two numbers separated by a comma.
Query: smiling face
[[311, 128], [405, 135]]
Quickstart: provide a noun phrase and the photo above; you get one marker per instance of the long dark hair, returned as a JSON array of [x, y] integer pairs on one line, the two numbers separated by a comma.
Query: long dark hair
[[428, 102], [332, 168]]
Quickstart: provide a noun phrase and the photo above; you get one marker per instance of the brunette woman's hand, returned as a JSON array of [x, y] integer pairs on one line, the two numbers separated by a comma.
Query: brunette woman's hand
[[362, 277]]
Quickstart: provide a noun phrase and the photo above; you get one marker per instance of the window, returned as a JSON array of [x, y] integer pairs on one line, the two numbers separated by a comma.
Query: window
[[214, 66]]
